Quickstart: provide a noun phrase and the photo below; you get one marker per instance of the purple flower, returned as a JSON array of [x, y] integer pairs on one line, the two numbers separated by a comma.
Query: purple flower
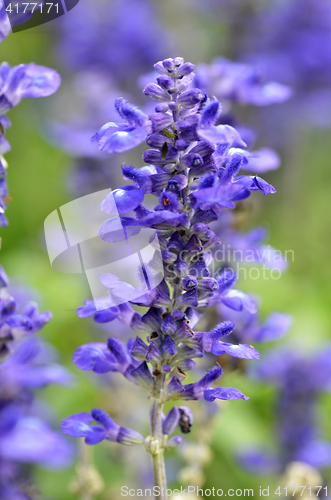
[[79, 426], [239, 83], [25, 80], [211, 343], [85, 39], [171, 421], [249, 326], [13, 325], [117, 138], [103, 312], [233, 299], [123, 200], [202, 390], [5, 27], [193, 169], [28, 368], [3, 278], [28, 365], [300, 380], [33, 441]]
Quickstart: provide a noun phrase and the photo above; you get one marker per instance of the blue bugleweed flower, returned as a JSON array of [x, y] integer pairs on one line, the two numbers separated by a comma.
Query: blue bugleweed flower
[[193, 169], [300, 381]]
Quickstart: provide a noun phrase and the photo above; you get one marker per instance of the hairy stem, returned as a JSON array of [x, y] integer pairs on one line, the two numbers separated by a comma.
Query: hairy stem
[[157, 449]]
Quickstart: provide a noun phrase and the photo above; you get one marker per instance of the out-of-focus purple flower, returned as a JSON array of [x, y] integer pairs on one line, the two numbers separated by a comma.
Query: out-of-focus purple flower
[[262, 161], [249, 327], [27, 369], [293, 47], [25, 80], [14, 325], [29, 364], [32, 440], [236, 82], [300, 380], [88, 40], [261, 462], [5, 27], [247, 248]]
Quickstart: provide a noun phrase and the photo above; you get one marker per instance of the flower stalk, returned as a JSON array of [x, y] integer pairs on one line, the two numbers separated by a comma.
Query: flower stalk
[[192, 168], [157, 450]]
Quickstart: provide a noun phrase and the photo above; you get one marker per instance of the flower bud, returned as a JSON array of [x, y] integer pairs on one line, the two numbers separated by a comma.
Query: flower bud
[[171, 421], [165, 82], [182, 144], [178, 61], [190, 98], [169, 64], [185, 69], [161, 108], [192, 160], [208, 284], [189, 282], [175, 441], [156, 93]]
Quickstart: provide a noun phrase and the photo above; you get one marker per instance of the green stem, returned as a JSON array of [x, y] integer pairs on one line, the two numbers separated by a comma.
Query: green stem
[[159, 473], [157, 450]]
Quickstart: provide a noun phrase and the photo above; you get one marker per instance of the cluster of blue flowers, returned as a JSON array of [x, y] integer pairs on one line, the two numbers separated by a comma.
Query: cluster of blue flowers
[[194, 171], [26, 363]]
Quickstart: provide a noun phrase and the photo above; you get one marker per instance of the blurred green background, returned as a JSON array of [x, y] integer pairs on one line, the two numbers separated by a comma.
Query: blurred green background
[[297, 218]]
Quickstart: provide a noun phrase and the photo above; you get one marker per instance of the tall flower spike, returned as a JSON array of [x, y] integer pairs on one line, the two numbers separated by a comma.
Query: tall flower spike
[[194, 172]]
